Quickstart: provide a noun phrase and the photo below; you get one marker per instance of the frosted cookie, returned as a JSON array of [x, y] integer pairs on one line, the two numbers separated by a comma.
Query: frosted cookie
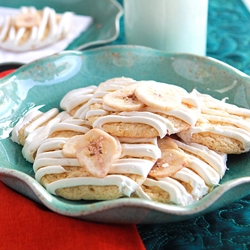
[[22, 129], [33, 128], [36, 126], [94, 166], [221, 126], [208, 164], [142, 109], [114, 84], [32, 29], [76, 101], [69, 127], [184, 173]]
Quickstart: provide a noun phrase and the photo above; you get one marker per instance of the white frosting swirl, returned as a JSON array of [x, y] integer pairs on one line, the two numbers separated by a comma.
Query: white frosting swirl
[[162, 125], [114, 84], [35, 138], [126, 185], [237, 121], [77, 97], [45, 117], [31, 114], [199, 188], [131, 166], [232, 132], [178, 194], [207, 173], [57, 169], [210, 104], [216, 160], [63, 126], [188, 115], [141, 150]]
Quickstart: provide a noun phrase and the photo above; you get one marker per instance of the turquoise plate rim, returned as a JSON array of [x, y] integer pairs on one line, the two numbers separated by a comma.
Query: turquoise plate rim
[[128, 210], [118, 13]]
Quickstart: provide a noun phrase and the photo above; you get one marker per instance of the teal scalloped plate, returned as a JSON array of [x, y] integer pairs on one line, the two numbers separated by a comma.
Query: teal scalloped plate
[[44, 82], [106, 15]]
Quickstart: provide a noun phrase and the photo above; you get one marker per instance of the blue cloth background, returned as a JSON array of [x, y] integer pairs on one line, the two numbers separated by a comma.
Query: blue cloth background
[[229, 227]]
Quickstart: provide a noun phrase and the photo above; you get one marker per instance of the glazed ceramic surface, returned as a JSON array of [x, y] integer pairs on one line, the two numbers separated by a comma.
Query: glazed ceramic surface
[[106, 15], [47, 80]]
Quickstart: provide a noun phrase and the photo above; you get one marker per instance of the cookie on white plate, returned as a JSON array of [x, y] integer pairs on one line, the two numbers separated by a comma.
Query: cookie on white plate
[[32, 29]]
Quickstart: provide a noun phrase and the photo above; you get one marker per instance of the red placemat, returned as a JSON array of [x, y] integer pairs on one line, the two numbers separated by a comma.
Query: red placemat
[[6, 72], [24, 224]]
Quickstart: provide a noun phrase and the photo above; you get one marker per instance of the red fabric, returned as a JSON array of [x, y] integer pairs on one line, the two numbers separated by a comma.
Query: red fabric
[[6, 72], [24, 224]]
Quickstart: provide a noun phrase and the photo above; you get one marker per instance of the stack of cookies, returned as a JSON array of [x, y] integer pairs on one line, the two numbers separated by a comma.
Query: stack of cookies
[[32, 29], [127, 138]]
